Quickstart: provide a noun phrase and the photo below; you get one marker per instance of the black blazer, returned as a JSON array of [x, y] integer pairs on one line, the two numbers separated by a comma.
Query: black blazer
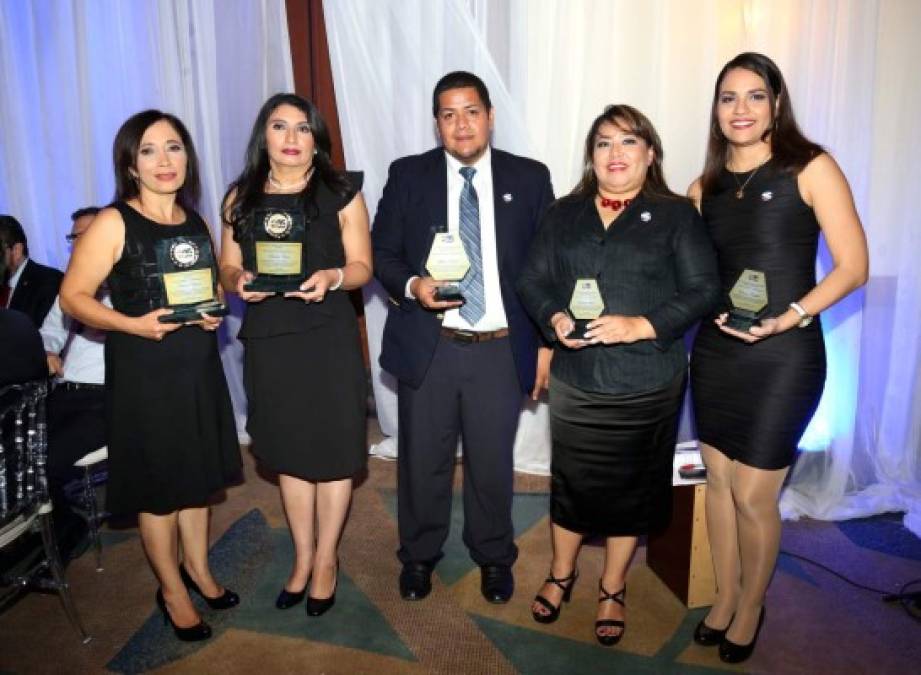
[[22, 354], [413, 207], [35, 291]]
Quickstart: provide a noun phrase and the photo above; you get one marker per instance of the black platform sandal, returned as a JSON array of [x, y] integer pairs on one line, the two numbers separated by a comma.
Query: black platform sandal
[[565, 584], [619, 597]]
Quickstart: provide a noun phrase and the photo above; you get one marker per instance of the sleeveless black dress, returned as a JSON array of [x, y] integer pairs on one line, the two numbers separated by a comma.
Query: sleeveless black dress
[[303, 370], [753, 401], [170, 425]]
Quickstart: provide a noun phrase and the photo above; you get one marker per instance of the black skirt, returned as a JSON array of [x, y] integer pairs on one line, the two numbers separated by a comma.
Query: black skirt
[[612, 458], [307, 397]]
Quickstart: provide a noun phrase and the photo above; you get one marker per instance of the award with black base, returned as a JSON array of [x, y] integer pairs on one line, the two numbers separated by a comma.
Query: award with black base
[[185, 267], [448, 262], [277, 251], [585, 306], [748, 300]]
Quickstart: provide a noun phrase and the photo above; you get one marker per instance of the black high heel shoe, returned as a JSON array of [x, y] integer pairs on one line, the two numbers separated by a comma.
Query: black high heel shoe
[[565, 584], [197, 633], [226, 600], [730, 652], [709, 637], [286, 599], [619, 597], [319, 606]]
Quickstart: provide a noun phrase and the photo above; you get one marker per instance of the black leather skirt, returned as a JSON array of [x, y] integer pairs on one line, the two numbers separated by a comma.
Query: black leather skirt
[[612, 458]]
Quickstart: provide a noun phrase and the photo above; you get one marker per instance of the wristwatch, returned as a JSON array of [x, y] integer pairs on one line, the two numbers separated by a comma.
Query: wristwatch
[[805, 318]]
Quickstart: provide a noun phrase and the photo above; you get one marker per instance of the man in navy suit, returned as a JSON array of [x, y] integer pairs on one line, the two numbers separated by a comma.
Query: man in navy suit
[[462, 367], [28, 287]]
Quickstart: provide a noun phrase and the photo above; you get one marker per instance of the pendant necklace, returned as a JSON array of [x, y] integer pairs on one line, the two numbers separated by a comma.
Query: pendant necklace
[[740, 193]]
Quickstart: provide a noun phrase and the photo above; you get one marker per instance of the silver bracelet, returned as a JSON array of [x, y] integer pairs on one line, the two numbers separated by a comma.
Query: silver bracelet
[[338, 284]]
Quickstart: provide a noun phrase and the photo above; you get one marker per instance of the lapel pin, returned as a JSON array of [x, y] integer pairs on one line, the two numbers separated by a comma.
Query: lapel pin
[[507, 197], [767, 196], [645, 216]]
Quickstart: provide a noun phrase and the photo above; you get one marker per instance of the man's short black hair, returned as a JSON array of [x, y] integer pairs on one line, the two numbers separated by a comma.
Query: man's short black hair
[[85, 211], [11, 233], [460, 79]]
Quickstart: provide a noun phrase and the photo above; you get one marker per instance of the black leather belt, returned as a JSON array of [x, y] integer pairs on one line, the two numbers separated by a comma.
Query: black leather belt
[[76, 386], [473, 336]]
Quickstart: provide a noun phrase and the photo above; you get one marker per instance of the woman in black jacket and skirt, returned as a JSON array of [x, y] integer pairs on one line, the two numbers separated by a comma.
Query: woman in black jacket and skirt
[[624, 249]]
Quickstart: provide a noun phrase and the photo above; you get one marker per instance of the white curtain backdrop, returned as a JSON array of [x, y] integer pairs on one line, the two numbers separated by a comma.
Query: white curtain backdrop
[[551, 66], [74, 70]]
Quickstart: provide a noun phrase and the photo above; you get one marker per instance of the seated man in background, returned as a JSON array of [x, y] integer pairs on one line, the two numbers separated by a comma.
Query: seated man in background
[[25, 285], [76, 406]]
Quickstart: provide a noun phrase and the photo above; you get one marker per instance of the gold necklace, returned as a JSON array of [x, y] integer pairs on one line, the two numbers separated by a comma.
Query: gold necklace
[[740, 193], [278, 185]]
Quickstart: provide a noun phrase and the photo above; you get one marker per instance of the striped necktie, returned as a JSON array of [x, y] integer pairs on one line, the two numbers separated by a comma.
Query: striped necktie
[[472, 287]]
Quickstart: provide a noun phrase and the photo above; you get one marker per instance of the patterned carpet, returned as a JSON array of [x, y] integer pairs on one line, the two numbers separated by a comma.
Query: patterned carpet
[[816, 623]]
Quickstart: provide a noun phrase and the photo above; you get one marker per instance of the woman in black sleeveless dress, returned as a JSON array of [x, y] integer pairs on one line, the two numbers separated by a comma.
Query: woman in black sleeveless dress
[[304, 373], [765, 195], [170, 430]]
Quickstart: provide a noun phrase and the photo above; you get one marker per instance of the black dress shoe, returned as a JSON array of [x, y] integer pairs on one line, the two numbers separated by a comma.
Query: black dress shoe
[[730, 652], [497, 583], [709, 637], [226, 600], [286, 599], [197, 633], [415, 581]]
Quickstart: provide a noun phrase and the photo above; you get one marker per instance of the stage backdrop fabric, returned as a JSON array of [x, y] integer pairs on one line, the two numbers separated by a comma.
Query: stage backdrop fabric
[[74, 70], [551, 66]]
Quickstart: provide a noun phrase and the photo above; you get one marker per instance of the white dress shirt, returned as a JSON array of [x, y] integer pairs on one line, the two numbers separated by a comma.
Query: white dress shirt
[[494, 318], [83, 361]]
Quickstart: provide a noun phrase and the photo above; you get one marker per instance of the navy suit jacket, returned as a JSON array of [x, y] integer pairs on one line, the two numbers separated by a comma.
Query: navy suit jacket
[[36, 290], [413, 207]]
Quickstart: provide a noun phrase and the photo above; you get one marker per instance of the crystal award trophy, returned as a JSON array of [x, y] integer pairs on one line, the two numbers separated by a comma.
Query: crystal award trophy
[[276, 250], [585, 306], [448, 262], [185, 268], [748, 300]]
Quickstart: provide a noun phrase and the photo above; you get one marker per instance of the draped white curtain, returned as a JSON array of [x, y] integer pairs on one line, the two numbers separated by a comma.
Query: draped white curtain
[[74, 70], [552, 65]]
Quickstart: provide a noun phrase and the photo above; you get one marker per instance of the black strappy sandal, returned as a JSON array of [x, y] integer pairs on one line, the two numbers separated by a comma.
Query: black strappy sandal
[[619, 597], [565, 584]]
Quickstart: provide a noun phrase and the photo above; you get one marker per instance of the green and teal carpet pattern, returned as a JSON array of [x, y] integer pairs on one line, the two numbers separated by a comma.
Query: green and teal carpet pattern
[[816, 623]]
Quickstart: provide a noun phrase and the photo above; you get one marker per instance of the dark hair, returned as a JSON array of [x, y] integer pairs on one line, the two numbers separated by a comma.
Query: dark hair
[[249, 185], [790, 149], [460, 79], [85, 211], [11, 233], [629, 119], [125, 154]]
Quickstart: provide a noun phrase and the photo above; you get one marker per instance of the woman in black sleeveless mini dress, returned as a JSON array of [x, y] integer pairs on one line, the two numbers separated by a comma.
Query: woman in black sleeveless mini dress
[[766, 194], [304, 373], [171, 436]]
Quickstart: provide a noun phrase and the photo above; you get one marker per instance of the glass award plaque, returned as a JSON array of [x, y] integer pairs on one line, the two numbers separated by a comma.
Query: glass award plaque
[[748, 300], [585, 306], [185, 268], [448, 262], [276, 250]]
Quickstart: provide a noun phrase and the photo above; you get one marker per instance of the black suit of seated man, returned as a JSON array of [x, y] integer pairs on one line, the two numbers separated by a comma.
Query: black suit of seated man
[[37, 285], [461, 371]]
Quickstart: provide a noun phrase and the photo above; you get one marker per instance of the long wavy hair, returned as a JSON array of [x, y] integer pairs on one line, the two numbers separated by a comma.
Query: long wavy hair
[[125, 156], [790, 149], [248, 187], [628, 119]]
